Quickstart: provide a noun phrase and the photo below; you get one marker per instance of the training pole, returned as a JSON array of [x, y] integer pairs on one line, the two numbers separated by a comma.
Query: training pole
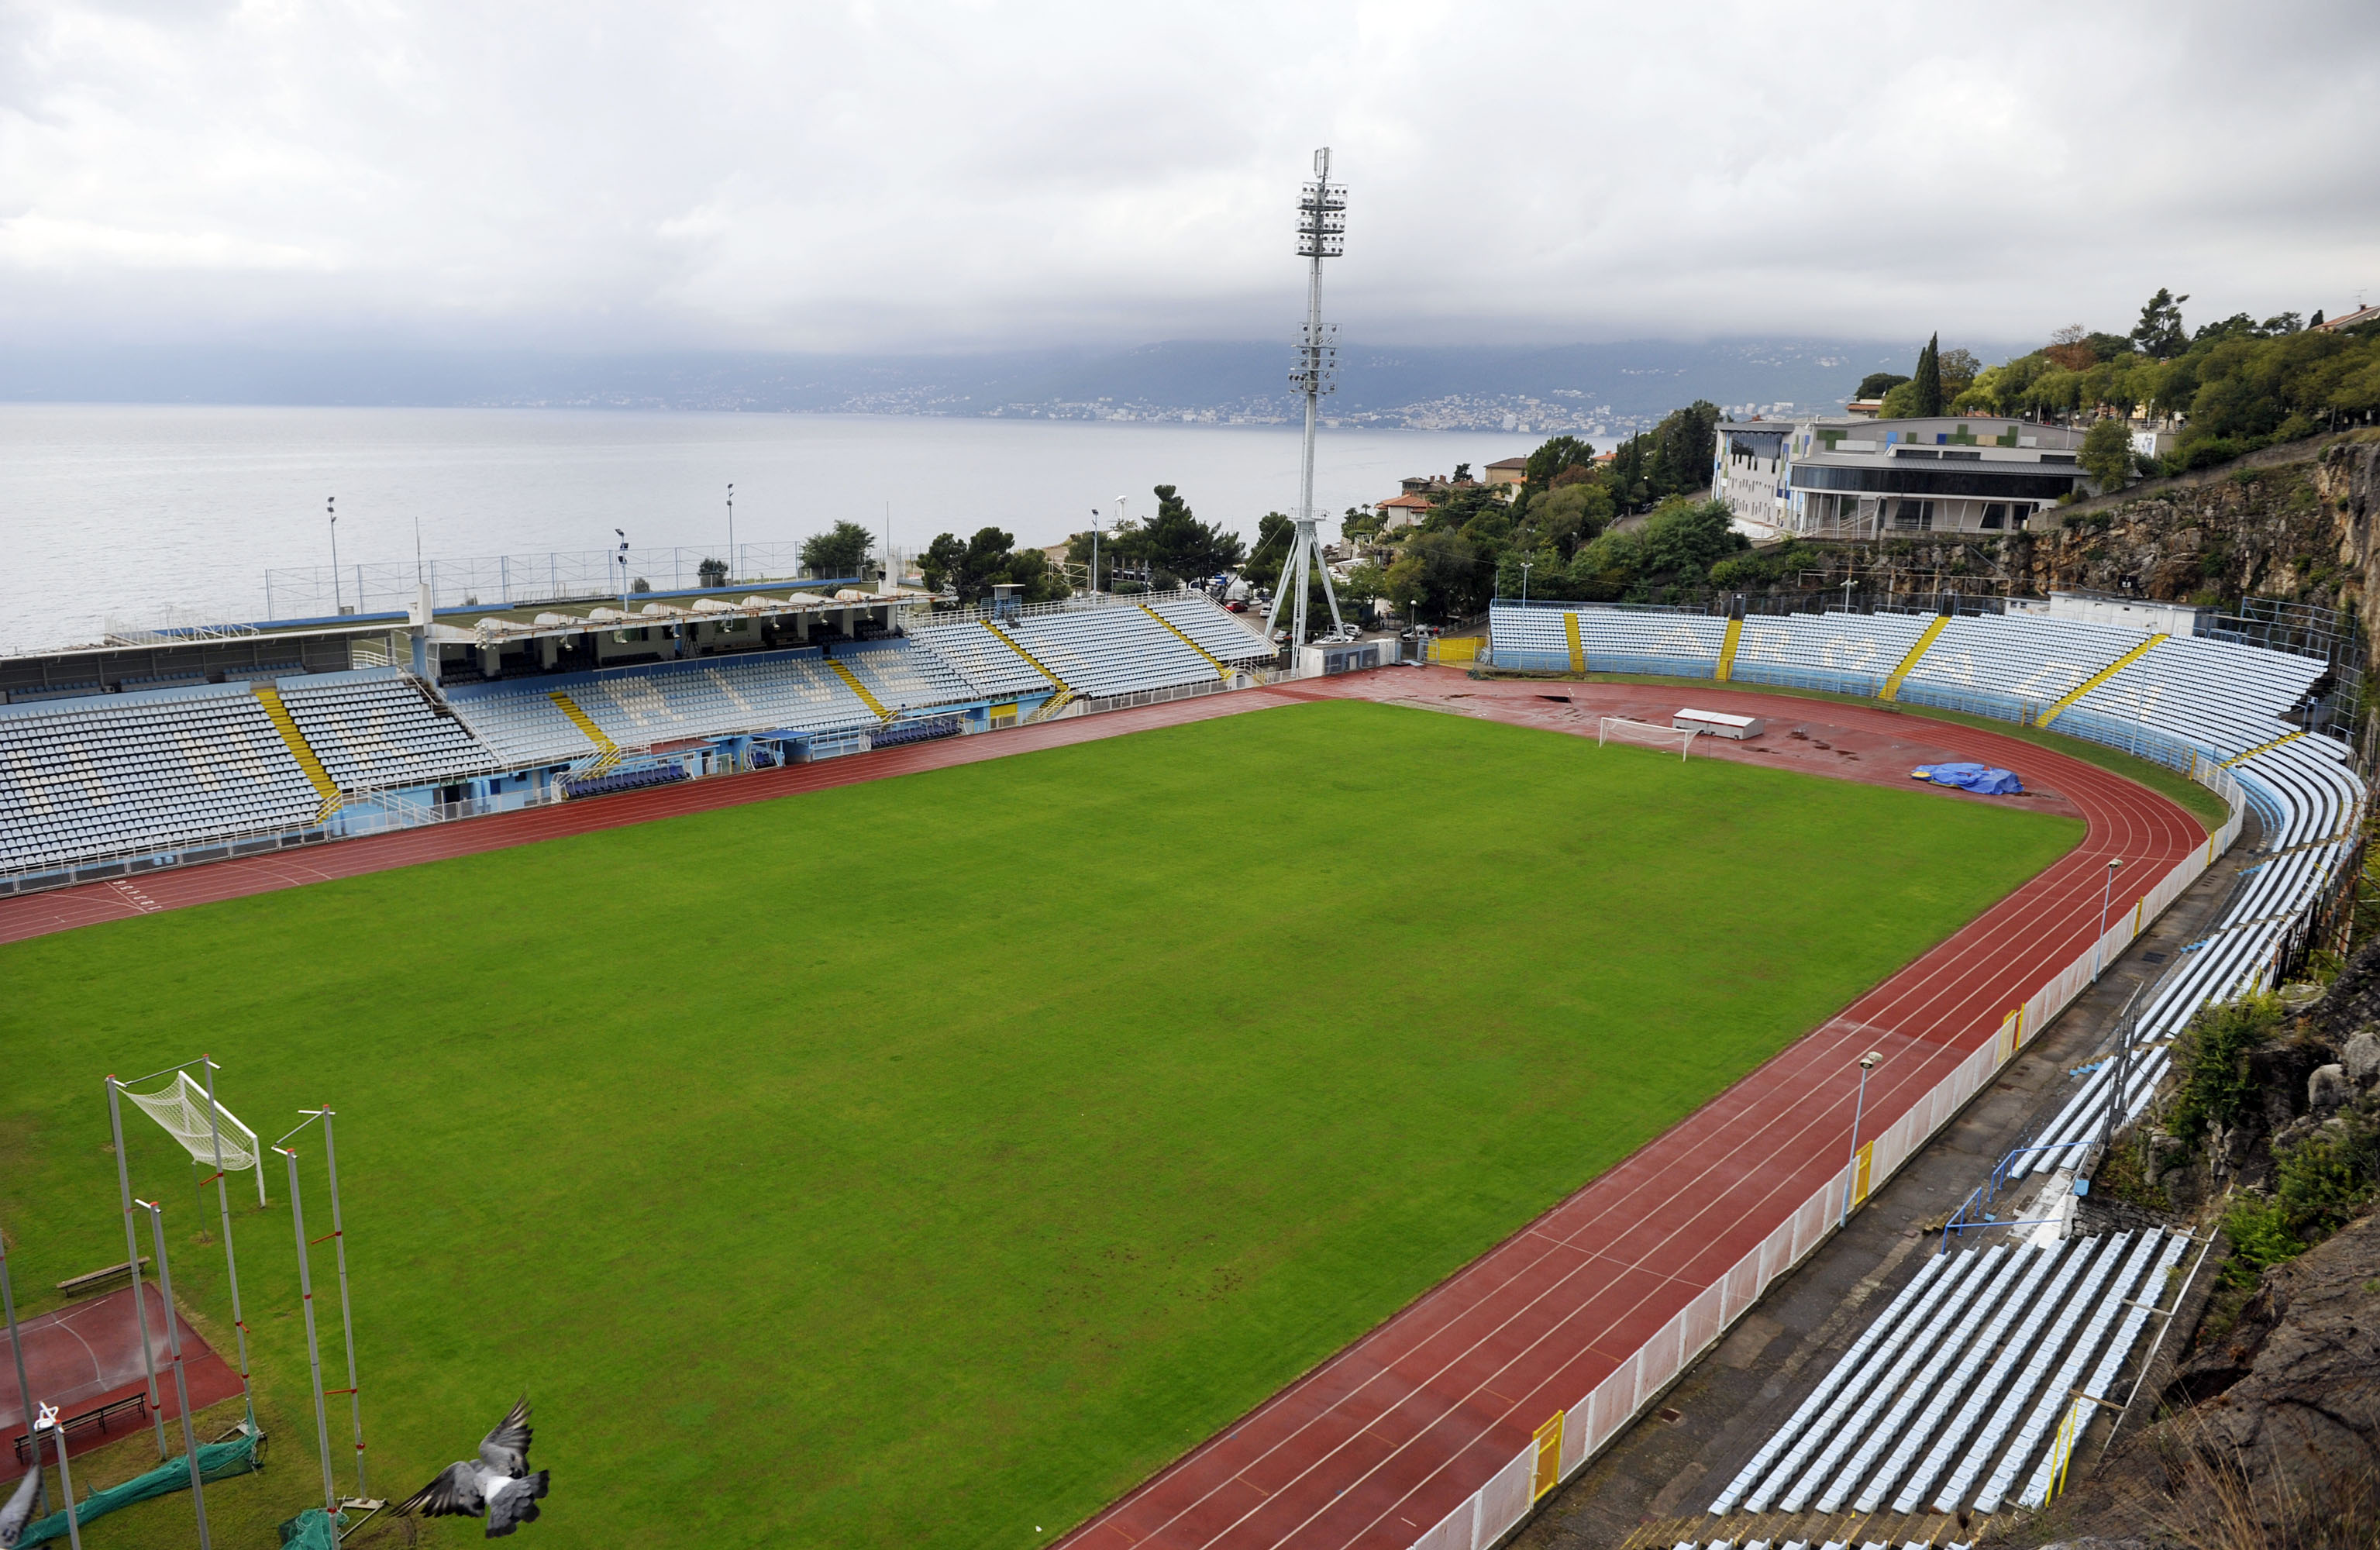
[[313, 1350], [133, 1258], [181, 1384], [24, 1394], [346, 1315], [231, 1264], [49, 1423]]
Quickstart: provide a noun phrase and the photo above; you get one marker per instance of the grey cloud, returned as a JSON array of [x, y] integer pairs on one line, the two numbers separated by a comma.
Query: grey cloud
[[929, 176]]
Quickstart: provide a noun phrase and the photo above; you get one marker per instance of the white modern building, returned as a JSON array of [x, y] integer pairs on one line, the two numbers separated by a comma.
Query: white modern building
[[1855, 479]]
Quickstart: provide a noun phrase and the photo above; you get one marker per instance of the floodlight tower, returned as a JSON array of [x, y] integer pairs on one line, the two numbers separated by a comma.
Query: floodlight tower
[[1321, 233]]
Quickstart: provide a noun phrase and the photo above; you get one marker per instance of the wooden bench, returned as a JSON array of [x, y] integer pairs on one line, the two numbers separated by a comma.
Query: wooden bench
[[137, 1404], [92, 1280]]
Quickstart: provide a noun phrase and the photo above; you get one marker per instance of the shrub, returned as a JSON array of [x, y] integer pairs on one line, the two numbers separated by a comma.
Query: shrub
[[2321, 1182], [2211, 1056], [2259, 1231]]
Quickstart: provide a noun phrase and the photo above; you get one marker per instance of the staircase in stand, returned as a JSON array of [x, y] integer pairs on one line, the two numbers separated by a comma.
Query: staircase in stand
[[609, 753], [299, 749], [851, 680]]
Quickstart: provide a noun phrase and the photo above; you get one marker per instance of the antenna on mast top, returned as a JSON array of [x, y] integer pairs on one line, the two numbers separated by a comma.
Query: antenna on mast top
[[1321, 233]]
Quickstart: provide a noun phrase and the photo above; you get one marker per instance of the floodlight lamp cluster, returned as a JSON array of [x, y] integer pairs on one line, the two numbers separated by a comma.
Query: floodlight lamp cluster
[[1317, 359], [1322, 221]]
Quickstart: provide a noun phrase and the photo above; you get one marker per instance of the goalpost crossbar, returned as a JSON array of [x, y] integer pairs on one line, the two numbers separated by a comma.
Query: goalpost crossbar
[[1619, 729]]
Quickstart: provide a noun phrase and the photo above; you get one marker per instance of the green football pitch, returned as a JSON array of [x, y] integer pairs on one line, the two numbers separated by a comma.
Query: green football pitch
[[926, 1162]]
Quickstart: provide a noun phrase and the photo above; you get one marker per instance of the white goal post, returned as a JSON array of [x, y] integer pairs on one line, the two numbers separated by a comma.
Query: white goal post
[[181, 1108], [1619, 728]]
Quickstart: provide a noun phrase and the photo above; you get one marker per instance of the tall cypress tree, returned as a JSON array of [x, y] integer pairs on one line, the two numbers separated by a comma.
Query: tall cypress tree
[[1929, 379]]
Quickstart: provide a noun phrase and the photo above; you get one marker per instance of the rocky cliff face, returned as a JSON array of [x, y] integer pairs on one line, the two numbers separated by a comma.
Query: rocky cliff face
[[2293, 522]]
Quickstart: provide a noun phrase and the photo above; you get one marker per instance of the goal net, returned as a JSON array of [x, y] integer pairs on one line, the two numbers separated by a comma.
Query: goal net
[[1619, 728], [181, 1108]]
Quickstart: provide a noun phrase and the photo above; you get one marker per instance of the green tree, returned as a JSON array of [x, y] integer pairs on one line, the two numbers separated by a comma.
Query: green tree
[[1571, 515], [2106, 454], [1875, 385], [990, 559], [1928, 379], [842, 550], [2160, 332], [1958, 369], [1900, 403], [1180, 548], [712, 572], [1274, 532], [1553, 456]]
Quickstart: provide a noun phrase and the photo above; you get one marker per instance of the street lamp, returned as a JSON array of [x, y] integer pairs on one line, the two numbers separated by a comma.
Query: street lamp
[[622, 556], [1524, 581], [331, 506], [1095, 551], [1859, 1110], [2107, 893], [731, 533]]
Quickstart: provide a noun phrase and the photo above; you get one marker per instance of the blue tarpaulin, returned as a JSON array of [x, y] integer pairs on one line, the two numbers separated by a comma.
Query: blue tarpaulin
[[1970, 777]]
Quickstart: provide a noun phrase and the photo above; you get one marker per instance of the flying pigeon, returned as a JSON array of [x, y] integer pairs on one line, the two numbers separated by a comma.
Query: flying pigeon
[[499, 1484], [19, 1511]]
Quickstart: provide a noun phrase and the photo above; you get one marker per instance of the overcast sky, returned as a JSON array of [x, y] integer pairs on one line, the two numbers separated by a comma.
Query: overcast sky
[[925, 177]]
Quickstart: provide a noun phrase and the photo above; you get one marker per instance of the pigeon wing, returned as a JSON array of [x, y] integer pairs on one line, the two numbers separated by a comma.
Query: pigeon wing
[[505, 1449], [455, 1493], [19, 1511], [514, 1503]]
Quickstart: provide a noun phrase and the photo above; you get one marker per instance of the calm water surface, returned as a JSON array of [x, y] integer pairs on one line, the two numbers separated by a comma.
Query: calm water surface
[[128, 510]]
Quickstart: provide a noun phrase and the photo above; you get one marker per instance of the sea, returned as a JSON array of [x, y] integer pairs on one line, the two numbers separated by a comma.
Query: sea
[[138, 515]]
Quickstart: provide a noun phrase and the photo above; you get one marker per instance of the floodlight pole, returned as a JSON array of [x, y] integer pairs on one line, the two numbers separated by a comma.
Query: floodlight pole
[[181, 1383], [347, 1314], [314, 1348], [730, 577], [231, 1264], [1321, 233], [132, 1256], [1859, 1111], [337, 601], [48, 1422], [17, 1346]]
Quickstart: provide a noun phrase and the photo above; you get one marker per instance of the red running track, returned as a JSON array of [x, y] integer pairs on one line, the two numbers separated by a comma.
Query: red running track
[[1376, 1445], [1379, 1443]]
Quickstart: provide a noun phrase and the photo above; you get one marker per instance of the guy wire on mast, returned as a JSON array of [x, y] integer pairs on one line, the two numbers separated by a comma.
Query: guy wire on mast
[[1321, 233]]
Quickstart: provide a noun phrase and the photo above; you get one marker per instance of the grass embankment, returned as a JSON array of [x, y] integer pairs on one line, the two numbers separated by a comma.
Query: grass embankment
[[919, 1162]]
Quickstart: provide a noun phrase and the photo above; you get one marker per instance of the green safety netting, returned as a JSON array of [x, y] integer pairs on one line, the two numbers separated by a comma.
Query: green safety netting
[[217, 1461], [312, 1530]]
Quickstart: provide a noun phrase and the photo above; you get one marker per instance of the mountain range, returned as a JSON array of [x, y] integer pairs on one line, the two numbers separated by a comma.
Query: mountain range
[[1605, 388]]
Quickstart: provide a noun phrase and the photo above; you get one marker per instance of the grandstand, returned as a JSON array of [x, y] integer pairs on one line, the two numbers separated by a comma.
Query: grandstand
[[167, 754]]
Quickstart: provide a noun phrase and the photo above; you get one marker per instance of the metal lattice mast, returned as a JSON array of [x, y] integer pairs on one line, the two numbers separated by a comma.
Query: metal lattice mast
[[1321, 228]]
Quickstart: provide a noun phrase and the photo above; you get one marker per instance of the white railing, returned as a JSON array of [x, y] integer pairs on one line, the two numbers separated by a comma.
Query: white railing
[[1577, 1433]]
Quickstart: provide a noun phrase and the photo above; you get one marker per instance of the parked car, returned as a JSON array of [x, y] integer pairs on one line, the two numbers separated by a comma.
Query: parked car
[[1236, 605]]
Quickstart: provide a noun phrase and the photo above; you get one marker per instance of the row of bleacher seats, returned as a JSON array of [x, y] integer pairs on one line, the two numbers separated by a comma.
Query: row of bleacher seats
[[1952, 1396], [378, 727], [903, 677], [971, 648], [636, 706], [115, 774]]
